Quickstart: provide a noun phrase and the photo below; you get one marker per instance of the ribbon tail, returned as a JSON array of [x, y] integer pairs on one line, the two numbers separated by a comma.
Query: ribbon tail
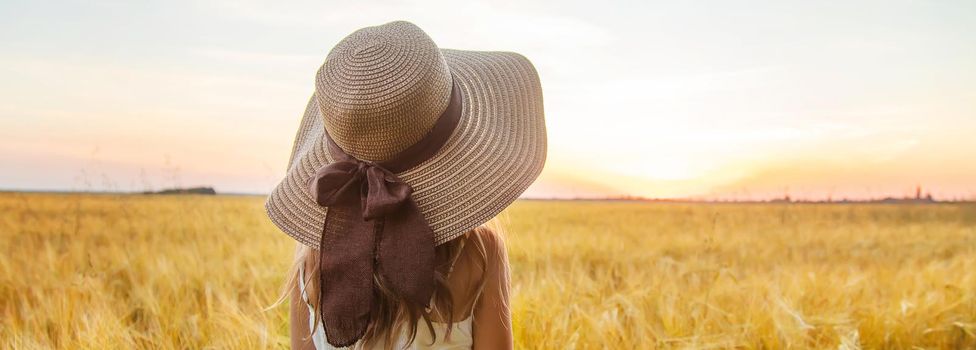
[[406, 253], [346, 278]]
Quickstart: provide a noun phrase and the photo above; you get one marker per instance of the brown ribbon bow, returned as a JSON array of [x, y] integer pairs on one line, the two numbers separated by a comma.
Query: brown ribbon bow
[[373, 224]]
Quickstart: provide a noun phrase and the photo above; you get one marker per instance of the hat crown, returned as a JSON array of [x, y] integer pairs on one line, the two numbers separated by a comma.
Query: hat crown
[[381, 89]]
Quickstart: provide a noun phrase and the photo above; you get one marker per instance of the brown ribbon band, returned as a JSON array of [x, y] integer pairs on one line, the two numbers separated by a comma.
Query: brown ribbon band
[[373, 224]]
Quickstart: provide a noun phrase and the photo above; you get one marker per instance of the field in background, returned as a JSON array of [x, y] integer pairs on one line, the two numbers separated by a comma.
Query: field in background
[[175, 272]]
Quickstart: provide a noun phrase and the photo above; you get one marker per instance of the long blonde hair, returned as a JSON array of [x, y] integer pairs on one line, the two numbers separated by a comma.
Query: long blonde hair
[[394, 313]]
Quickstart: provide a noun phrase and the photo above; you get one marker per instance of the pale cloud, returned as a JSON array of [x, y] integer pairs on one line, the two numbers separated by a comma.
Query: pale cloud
[[465, 25], [256, 57]]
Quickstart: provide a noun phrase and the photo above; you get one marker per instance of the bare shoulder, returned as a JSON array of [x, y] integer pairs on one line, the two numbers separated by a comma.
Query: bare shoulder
[[490, 242], [480, 261], [492, 313], [483, 252]]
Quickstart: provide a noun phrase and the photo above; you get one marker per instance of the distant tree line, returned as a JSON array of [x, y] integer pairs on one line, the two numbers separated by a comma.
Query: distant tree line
[[191, 190]]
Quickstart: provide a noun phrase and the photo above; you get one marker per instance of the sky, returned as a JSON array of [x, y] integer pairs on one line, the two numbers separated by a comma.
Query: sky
[[668, 99]]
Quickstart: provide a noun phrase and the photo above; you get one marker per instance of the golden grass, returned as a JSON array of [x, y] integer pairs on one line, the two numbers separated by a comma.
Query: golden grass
[[175, 272]]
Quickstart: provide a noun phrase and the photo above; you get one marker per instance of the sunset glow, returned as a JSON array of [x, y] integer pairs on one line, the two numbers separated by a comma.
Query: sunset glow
[[725, 101]]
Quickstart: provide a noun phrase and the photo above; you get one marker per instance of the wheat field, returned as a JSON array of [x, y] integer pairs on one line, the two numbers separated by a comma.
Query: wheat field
[[193, 272]]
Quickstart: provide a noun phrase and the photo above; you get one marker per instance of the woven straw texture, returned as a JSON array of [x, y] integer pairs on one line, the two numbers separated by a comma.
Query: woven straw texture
[[380, 90]]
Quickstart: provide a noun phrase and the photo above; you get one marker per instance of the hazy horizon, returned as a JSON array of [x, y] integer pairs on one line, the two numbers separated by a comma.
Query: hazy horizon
[[751, 100]]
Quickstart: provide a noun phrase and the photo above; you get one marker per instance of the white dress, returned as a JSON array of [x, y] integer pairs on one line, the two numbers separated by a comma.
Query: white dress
[[461, 337]]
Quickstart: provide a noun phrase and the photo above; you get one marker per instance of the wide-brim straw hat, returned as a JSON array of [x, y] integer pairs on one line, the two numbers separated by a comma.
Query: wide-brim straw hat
[[380, 91]]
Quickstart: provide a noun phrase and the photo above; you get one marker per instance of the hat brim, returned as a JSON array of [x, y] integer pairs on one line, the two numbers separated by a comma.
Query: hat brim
[[496, 151]]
